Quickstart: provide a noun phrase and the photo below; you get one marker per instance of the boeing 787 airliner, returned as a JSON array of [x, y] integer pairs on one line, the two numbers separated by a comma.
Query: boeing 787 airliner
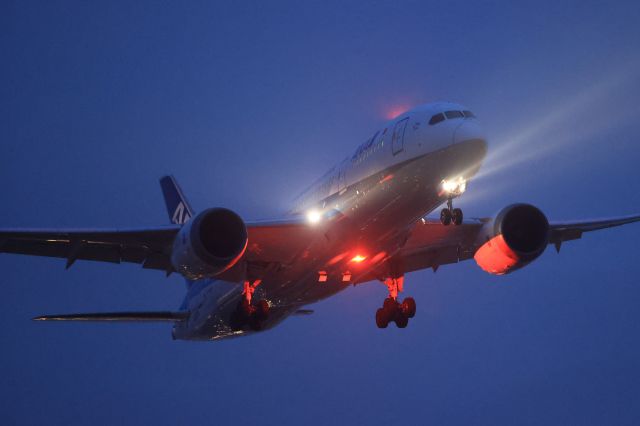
[[364, 220]]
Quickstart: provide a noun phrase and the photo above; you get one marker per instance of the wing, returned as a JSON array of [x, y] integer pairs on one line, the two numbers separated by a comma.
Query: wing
[[431, 244], [279, 241], [269, 243], [567, 231], [149, 247]]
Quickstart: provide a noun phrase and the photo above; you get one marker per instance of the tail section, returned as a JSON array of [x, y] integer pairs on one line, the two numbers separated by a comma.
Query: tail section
[[177, 205]]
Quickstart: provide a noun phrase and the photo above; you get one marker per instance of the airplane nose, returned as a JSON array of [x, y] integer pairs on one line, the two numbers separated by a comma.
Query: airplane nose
[[467, 130]]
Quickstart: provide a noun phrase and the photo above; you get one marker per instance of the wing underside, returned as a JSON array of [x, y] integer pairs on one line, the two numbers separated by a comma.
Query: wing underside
[[148, 247], [429, 245]]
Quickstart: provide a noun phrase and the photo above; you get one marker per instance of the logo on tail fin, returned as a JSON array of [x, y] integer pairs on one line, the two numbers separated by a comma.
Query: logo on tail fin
[[181, 215]]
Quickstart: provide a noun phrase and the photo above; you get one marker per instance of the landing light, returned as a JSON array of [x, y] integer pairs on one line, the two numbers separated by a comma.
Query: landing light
[[454, 186], [314, 216]]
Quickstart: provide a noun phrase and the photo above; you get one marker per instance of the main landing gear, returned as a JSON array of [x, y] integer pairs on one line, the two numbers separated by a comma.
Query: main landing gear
[[392, 310], [449, 214], [247, 313]]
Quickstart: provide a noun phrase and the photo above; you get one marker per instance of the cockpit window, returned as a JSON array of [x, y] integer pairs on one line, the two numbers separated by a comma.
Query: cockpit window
[[453, 114], [436, 119]]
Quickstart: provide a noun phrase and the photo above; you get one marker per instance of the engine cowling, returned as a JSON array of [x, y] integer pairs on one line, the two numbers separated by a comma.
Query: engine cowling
[[516, 237], [210, 243]]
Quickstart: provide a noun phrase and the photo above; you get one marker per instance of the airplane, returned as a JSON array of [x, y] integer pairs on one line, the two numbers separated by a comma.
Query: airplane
[[364, 220]]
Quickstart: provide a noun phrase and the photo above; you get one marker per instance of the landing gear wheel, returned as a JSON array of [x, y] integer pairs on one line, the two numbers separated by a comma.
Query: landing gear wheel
[[456, 216], [262, 309], [409, 307], [245, 309], [392, 310], [237, 320], [255, 323], [445, 217], [382, 319], [401, 320], [389, 304], [251, 315]]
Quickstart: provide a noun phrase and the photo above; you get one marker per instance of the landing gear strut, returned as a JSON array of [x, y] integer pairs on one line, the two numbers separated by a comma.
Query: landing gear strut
[[449, 214], [392, 310], [247, 313]]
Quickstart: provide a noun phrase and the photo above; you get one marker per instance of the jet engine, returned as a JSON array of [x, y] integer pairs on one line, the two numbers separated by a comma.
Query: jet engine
[[517, 236], [210, 243]]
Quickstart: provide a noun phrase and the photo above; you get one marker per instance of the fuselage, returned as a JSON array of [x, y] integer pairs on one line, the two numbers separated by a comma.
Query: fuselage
[[367, 203]]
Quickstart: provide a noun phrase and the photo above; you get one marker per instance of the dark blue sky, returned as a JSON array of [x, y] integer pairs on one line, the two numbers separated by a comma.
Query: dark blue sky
[[246, 105]]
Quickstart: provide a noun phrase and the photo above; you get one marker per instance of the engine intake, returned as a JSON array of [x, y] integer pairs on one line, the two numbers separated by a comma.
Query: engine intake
[[517, 236], [210, 243]]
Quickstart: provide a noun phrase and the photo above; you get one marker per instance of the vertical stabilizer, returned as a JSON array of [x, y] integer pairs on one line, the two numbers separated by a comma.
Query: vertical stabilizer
[[177, 205]]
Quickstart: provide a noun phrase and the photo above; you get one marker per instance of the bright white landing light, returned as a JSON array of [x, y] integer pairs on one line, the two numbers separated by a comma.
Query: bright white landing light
[[314, 216], [454, 186]]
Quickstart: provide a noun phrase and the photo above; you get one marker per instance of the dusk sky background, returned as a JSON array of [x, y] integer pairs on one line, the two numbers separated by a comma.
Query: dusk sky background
[[246, 103]]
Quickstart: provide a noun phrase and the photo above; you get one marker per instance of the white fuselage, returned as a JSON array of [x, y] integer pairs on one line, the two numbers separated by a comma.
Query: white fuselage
[[390, 181], [407, 136]]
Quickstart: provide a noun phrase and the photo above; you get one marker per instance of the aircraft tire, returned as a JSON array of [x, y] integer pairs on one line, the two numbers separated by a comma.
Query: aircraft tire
[[456, 216], [262, 309], [382, 319], [401, 320], [445, 217], [409, 307]]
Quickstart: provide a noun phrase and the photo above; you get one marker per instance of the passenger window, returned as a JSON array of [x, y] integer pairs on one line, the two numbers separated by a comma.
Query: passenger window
[[436, 119], [453, 114], [468, 114], [373, 138]]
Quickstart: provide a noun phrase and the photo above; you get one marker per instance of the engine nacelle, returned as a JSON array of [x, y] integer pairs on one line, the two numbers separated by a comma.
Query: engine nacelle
[[210, 243], [517, 236]]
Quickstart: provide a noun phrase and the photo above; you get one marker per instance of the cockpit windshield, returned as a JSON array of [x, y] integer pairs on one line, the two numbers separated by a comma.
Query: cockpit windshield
[[450, 115]]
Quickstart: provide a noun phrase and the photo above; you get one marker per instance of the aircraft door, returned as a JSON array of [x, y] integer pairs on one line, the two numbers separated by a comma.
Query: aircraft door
[[397, 139], [341, 180]]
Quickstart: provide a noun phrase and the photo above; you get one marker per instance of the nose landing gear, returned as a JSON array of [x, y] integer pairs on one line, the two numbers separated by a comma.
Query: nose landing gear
[[449, 214], [392, 310], [247, 313]]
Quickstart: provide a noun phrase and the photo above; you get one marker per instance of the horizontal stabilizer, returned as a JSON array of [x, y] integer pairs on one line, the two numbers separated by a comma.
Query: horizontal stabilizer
[[118, 316], [303, 312]]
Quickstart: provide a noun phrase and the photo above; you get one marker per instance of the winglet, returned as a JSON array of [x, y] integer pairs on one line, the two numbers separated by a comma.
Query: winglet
[[177, 205]]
